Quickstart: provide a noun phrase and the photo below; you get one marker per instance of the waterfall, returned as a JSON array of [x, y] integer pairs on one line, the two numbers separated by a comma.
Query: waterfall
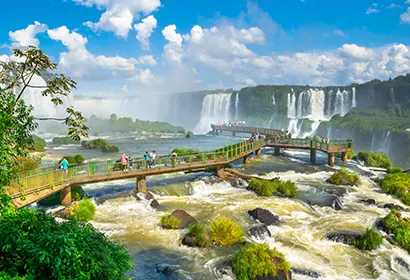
[[353, 97], [295, 127], [372, 146], [237, 106], [385, 143], [215, 108], [275, 110], [291, 105], [317, 102]]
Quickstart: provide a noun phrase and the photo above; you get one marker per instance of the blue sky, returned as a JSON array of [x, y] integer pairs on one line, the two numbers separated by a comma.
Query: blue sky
[[189, 45]]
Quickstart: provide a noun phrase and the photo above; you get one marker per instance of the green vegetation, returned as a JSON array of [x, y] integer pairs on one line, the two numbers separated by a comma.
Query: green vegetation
[[100, 144], [375, 159], [169, 222], [199, 233], [65, 140], [115, 124], [36, 246], [317, 138], [397, 184], [343, 177], [85, 211], [275, 187], [29, 162], [77, 159], [226, 232], [189, 134], [257, 261], [371, 240], [188, 151], [39, 144], [350, 155], [399, 227], [394, 169]]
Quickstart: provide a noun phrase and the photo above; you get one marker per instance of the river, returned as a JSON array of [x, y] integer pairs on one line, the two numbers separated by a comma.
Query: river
[[300, 236]]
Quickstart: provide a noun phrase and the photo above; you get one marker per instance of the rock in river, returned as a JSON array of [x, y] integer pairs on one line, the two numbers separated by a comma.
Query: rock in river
[[264, 216], [345, 237], [184, 218], [260, 232]]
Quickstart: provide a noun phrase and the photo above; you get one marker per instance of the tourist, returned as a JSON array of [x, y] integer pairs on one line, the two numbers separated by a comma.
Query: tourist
[[130, 162], [147, 160], [174, 159], [123, 161], [64, 166], [153, 156]]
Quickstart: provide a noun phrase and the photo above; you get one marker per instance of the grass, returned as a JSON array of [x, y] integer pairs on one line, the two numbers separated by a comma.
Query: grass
[[343, 177], [188, 151], [65, 140], [169, 222], [394, 170], [371, 240], [270, 188], [85, 211], [399, 227], [255, 261], [200, 233], [226, 232], [375, 159], [397, 184]]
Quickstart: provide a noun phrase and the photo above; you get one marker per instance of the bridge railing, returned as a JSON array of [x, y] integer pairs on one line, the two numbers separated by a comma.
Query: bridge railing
[[39, 181], [246, 129]]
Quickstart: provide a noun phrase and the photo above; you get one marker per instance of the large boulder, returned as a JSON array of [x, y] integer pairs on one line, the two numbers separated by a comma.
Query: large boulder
[[68, 211], [237, 182], [345, 237], [189, 241], [393, 206], [264, 216], [154, 204], [326, 201], [368, 201], [184, 218], [260, 232], [224, 270]]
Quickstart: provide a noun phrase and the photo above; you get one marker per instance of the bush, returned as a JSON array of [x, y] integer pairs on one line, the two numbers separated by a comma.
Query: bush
[[169, 222], [399, 227], [189, 134], [257, 261], [85, 211], [317, 138], [343, 177], [180, 152], [65, 140], [39, 144], [30, 162], [269, 188], [225, 232], [394, 170], [397, 184], [76, 192], [375, 159], [100, 144], [199, 232], [36, 246], [309, 138], [79, 159], [371, 240]]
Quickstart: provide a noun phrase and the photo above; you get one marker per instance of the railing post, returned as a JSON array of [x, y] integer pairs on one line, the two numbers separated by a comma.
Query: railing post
[[227, 156]]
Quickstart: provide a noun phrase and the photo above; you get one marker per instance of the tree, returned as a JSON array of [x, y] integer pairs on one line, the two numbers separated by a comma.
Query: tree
[[17, 122]]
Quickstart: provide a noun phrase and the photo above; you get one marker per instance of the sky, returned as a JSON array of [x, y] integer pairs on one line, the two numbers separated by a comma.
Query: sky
[[128, 47]]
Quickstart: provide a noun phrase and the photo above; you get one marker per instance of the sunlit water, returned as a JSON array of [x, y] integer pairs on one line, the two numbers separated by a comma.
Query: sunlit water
[[300, 236]]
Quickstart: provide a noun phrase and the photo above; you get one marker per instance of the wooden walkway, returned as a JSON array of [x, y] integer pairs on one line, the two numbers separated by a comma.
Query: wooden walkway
[[41, 183]]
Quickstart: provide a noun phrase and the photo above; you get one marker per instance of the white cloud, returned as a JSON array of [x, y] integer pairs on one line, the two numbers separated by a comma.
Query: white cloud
[[372, 11], [145, 29], [173, 51], [407, 2], [27, 37], [405, 17], [394, 6], [339, 32], [354, 51], [171, 35], [79, 62], [119, 14]]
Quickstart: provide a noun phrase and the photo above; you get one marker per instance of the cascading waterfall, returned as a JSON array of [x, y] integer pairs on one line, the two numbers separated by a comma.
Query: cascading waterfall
[[215, 108], [372, 146], [317, 106], [237, 106], [385, 142], [275, 110]]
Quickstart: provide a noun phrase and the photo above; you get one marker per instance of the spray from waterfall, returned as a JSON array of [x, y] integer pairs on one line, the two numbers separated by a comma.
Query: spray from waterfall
[[237, 106]]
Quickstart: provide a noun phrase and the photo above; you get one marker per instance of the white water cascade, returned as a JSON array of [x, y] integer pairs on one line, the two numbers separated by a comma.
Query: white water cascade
[[275, 111], [317, 106], [237, 107], [215, 108]]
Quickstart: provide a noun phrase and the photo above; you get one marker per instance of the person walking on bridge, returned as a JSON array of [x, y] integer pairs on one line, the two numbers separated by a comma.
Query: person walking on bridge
[[123, 161], [64, 166], [147, 158]]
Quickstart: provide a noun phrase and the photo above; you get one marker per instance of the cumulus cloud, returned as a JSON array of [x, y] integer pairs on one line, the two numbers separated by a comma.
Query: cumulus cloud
[[372, 11], [339, 32], [173, 51], [405, 17], [145, 29], [27, 37], [119, 14], [79, 62], [394, 6]]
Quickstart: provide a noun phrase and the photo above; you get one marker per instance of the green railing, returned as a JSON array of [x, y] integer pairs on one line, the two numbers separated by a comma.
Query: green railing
[[39, 180], [334, 146]]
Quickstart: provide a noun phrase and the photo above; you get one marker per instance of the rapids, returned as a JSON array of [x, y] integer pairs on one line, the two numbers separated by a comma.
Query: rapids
[[300, 236]]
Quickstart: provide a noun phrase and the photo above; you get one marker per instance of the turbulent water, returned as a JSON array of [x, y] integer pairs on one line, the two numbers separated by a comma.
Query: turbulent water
[[300, 236]]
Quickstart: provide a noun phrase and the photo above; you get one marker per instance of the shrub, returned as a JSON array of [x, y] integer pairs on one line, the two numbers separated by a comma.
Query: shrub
[[269, 188], [399, 227], [36, 246], [309, 138], [397, 184], [79, 159], [30, 162], [110, 149], [375, 159], [189, 134], [343, 177], [85, 211], [226, 232], [169, 222], [369, 241], [39, 144], [180, 152], [394, 170], [65, 140], [76, 192], [257, 261], [199, 232], [317, 138], [100, 144]]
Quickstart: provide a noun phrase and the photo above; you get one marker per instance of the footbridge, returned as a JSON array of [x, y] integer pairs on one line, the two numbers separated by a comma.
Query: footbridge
[[38, 184]]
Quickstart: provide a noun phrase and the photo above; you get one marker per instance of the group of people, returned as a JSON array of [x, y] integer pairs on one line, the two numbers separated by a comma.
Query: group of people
[[326, 140], [150, 158], [127, 162], [255, 137], [233, 123]]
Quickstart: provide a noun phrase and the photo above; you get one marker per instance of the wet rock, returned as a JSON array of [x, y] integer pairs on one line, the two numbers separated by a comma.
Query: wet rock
[[282, 275], [309, 273], [326, 201], [337, 204], [224, 270], [403, 263], [168, 272], [210, 180], [104, 198], [260, 232], [237, 182], [154, 204], [393, 206], [264, 216], [68, 211], [345, 237], [189, 241], [184, 218], [149, 196], [368, 201]]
